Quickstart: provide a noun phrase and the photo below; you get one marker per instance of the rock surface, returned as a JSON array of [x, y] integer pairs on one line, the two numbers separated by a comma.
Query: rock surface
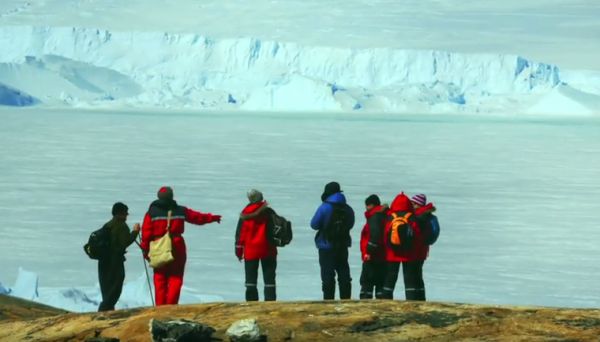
[[180, 330], [245, 330], [17, 309], [317, 321]]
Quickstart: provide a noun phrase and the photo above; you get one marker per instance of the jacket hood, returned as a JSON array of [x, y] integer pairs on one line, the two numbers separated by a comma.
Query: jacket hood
[[426, 209], [165, 204], [375, 210], [338, 197], [253, 209], [402, 203]]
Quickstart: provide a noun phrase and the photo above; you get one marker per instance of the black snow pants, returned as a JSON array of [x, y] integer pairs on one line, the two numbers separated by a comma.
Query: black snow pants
[[372, 278], [334, 261], [111, 273], [269, 265], [414, 286]]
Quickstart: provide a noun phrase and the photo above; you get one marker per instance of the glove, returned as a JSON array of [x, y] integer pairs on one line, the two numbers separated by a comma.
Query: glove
[[217, 218], [239, 252]]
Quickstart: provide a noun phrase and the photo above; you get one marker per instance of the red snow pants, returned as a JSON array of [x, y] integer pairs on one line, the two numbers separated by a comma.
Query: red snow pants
[[169, 278]]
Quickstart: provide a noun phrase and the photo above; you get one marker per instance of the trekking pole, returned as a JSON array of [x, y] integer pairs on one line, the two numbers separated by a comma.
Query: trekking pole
[[147, 275]]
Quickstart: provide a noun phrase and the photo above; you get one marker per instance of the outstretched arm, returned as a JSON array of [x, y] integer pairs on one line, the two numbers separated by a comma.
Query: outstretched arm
[[197, 217]]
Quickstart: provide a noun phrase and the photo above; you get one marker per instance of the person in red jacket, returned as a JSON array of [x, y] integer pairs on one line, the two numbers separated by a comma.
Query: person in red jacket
[[423, 213], [372, 249], [408, 256], [168, 279], [253, 245]]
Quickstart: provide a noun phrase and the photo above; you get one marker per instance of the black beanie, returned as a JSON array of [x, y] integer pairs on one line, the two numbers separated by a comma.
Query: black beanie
[[373, 199], [330, 189], [119, 208]]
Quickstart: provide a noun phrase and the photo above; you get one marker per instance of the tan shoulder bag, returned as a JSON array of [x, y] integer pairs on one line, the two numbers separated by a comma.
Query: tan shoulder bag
[[161, 253]]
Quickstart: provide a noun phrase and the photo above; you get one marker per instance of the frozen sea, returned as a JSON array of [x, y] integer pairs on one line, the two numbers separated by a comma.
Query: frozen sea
[[518, 198]]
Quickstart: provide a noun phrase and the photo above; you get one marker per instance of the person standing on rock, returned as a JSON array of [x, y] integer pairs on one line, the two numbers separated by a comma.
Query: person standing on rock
[[252, 244], [168, 279], [111, 267], [333, 220], [414, 269], [372, 249], [407, 255]]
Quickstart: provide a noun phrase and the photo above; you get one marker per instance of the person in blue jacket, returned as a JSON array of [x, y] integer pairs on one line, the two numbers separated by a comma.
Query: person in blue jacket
[[333, 221]]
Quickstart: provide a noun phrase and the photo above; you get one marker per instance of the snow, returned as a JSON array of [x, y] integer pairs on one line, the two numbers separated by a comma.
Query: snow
[[26, 286], [518, 198], [93, 67], [87, 299], [222, 90], [280, 56], [13, 97]]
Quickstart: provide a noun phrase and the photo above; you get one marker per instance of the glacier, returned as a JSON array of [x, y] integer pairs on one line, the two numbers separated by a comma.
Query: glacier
[[85, 67], [136, 293]]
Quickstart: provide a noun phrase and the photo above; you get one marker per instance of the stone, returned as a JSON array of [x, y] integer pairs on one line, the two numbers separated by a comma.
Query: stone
[[245, 330], [180, 331]]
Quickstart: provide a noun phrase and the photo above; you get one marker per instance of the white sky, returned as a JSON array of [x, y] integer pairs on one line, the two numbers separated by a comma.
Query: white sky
[[563, 32]]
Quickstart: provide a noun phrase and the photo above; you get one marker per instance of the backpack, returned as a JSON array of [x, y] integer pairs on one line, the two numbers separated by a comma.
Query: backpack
[[432, 230], [280, 230], [400, 235], [336, 232], [98, 245]]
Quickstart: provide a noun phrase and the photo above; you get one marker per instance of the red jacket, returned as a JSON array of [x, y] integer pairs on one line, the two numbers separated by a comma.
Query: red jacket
[[252, 232], [402, 203], [422, 250], [373, 233], [155, 224]]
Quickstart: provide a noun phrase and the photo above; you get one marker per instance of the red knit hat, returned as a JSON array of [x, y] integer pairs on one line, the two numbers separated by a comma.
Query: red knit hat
[[165, 192], [419, 199]]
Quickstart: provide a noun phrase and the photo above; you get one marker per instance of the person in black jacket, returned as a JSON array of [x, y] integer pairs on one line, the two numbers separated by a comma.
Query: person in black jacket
[[372, 249], [111, 268]]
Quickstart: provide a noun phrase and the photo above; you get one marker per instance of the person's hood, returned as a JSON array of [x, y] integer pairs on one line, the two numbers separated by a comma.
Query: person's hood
[[426, 209], [401, 203], [376, 209], [166, 204], [337, 198], [253, 209]]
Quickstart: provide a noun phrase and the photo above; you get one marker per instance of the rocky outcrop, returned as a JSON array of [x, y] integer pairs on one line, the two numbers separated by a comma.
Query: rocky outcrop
[[16, 309], [331, 321]]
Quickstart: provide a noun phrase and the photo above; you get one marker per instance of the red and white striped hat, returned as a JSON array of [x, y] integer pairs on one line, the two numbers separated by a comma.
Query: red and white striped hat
[[419, 199]]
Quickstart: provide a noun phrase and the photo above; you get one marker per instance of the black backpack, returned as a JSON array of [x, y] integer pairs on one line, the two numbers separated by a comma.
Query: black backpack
[[280, 230], [336, 231], [98, 245]]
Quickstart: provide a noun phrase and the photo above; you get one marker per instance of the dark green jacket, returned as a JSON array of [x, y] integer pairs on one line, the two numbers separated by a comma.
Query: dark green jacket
[[120, 238]]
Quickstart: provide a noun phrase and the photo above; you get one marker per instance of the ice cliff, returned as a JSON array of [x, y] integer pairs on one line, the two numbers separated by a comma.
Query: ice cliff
[[58, 66]]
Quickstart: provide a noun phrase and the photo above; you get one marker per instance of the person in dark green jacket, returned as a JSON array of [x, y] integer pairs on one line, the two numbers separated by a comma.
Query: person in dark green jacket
[[111, 268]]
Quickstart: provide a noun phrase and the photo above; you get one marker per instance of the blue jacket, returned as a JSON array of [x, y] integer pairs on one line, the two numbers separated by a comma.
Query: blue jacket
[[323, 215]]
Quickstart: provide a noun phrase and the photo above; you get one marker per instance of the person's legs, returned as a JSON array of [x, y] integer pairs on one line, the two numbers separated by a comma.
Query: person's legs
[[414, 286], [391, 276], [379, 273], [160, 285], [343, 273], [104, 280], [251, 269], [366, 280], [111, 285], [326, 261], [269, 266]]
